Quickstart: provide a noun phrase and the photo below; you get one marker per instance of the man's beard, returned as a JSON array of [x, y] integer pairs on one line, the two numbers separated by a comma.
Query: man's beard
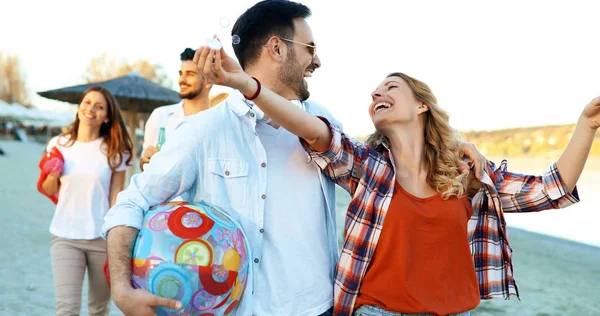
[[291, 75], [192, 94]]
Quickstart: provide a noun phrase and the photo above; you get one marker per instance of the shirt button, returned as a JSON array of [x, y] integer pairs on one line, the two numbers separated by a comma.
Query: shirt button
[[262, 230], [263, 164], [264, 196], [226, 172], [251, 114], [255, 260]]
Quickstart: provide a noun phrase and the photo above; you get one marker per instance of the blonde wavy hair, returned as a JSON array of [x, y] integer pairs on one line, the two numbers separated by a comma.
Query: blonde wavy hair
[[441, 142]]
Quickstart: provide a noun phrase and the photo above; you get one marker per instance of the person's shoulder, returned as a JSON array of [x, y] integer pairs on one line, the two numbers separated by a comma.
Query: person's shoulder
[[204, 124], [159, 116], [314, 106], [218, 116], [54, 139], [164, 110], [317, 109], [207, 116], [58, 141], [52, 143]]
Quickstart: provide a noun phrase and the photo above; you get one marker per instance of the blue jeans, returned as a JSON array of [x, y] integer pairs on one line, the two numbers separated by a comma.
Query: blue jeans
[[328, 312], [370, 310]]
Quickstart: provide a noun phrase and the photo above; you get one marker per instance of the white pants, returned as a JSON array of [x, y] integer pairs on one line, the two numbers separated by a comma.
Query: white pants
[[70, 258]]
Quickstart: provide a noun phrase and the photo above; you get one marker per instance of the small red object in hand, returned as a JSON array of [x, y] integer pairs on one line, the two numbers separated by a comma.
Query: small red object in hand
[[54, 166], [51, 162]]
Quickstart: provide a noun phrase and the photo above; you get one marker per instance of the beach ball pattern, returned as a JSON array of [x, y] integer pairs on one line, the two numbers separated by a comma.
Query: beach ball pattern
[[193, 253]]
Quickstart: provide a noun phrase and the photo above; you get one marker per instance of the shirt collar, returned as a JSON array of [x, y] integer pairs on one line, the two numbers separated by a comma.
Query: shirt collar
[[177, 109], [238, 103], [241, 106]]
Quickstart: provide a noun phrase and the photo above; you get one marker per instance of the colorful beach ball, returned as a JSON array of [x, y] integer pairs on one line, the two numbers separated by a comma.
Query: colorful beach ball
[[193, 253]]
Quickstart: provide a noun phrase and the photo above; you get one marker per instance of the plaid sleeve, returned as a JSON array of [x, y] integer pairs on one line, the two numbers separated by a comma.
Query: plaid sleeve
[[526, 193], [342, 161]]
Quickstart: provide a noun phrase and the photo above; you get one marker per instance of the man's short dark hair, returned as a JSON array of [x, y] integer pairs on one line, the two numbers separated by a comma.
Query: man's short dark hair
[[265, 19], [188, 54]]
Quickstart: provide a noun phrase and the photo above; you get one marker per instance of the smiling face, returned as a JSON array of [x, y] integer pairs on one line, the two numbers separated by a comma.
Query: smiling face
[[191, 81], [93, 110], [394, 103], [301, 60]]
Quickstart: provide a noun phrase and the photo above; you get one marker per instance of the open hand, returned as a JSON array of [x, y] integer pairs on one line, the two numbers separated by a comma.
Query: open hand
[[134, 302], [146, 155], [219, 68], [477, 160]]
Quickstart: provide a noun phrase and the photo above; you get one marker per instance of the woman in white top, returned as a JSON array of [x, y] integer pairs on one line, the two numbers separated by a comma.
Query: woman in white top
[[97, 151]]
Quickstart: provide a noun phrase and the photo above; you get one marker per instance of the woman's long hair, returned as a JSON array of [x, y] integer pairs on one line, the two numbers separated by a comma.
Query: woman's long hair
[[441, 142], [115, 137]]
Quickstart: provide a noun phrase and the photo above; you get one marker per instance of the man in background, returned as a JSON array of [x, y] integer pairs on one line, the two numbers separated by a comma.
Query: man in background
[[194, 92]]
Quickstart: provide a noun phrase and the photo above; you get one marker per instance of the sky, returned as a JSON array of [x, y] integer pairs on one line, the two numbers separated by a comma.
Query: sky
[[491, 64]]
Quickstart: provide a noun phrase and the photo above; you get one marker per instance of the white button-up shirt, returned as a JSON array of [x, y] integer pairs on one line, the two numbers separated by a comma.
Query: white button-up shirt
[[168, 116], [216, 156]]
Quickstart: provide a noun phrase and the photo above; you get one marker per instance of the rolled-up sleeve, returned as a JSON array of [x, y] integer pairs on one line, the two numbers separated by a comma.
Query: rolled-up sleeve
[[171, 172], [333, 152], [342, 161], [556, 189], [526, 193]]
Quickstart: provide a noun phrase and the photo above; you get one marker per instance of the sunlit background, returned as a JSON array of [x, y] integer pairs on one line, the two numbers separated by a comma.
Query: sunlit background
[[493, 65]]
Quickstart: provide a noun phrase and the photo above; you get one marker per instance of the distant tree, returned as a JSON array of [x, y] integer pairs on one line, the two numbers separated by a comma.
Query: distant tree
[[104, 68], [12, 81]]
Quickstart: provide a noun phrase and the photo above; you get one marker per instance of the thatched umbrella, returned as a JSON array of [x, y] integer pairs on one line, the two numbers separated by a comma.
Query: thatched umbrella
[[134, 93]]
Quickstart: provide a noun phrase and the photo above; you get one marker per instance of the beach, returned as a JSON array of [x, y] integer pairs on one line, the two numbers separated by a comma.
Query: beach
[[555, 276]]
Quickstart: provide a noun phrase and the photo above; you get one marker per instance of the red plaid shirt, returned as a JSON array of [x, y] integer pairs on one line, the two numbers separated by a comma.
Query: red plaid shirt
[[369, 176]]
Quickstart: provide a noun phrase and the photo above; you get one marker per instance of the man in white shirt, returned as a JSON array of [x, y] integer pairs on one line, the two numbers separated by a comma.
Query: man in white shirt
[[194, 92], [222, 156], [232, 156]]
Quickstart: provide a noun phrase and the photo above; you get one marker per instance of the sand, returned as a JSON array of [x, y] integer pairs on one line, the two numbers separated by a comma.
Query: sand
[[555, 276], [25, 214]]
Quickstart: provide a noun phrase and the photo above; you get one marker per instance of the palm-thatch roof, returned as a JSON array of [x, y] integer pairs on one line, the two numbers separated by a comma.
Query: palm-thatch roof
[[132, 91]]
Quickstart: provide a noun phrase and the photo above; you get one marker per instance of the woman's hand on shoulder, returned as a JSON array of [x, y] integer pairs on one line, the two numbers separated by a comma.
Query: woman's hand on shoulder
[[471, 157], [471, 184]]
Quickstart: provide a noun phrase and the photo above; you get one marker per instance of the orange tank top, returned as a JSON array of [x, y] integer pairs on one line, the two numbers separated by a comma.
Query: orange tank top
[[422, 263]]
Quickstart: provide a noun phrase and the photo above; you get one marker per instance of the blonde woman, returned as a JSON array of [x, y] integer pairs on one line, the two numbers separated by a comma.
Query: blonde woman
[[414, 243]]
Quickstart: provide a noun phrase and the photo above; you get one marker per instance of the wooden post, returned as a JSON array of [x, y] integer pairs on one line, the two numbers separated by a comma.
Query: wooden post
[[132, 123]]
